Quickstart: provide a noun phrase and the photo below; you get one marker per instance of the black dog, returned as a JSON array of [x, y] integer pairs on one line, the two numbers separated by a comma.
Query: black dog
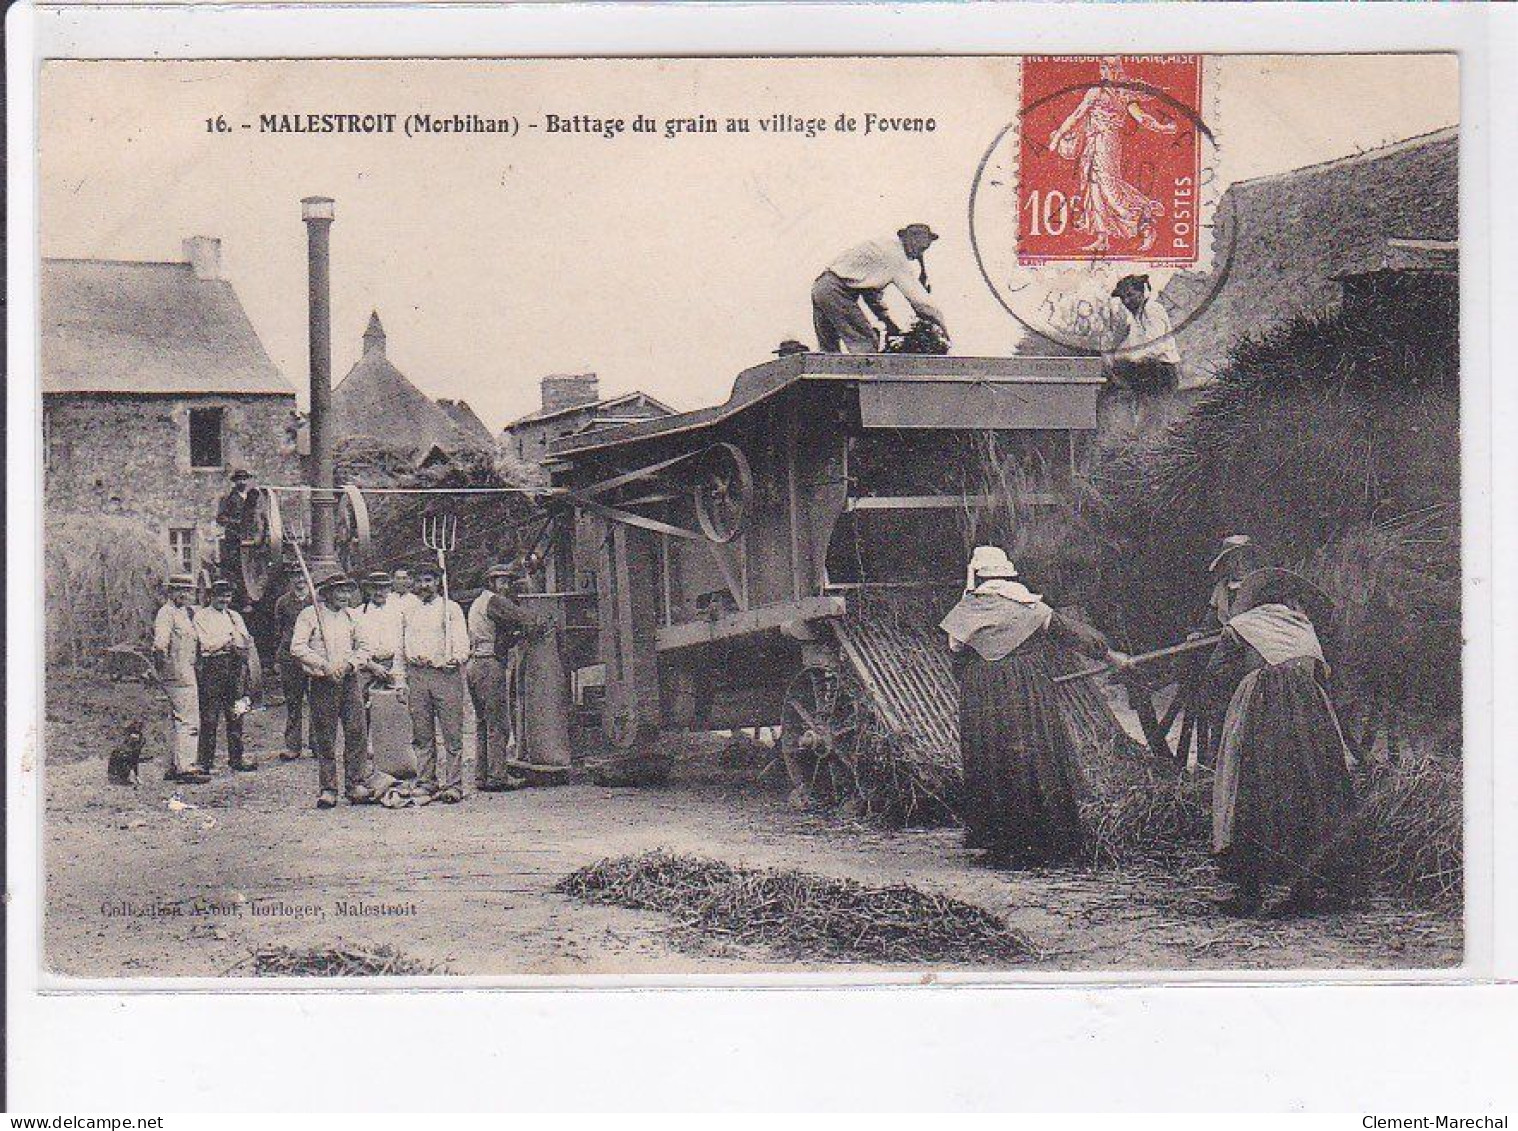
[[121, 769]]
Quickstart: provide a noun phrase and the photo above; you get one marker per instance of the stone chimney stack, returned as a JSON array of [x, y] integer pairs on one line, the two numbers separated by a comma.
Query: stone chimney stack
[[203, 253], [569, 390], [374, 336]]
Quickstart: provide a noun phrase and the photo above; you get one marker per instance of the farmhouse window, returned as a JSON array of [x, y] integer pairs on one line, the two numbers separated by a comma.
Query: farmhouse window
[[205, 437], [182, 548]]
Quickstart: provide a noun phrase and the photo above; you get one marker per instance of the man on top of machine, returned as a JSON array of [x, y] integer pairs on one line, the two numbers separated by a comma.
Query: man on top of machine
[[862, 273]]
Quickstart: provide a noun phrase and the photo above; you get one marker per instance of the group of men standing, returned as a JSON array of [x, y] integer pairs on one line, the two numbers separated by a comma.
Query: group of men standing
[[398, 633], [201, 658]]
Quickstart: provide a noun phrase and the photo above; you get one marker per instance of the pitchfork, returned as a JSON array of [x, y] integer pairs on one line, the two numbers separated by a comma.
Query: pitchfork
[[440, 533]]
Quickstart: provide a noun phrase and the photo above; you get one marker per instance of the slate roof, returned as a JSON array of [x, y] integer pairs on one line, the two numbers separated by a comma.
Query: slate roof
[[657, 407], [125, 327]]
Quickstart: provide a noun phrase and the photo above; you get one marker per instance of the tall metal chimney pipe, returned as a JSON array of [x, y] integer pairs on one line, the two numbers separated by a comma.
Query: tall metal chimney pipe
[[318, 213]]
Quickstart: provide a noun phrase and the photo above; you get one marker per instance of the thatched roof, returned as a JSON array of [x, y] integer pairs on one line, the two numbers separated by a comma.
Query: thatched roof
[[376, 399], [123, 327], [1298, 231], [468, 422]]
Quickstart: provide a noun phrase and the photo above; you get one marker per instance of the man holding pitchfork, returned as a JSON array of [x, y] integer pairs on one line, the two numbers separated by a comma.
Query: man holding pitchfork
[[435, 647]]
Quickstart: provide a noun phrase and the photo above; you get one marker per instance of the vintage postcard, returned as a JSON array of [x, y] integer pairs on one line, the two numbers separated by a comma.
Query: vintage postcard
[[977, 516]]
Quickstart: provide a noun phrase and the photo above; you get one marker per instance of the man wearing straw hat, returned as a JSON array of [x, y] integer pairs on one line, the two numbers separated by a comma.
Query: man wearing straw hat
[[175, 649], [325, 643], [435, 647]]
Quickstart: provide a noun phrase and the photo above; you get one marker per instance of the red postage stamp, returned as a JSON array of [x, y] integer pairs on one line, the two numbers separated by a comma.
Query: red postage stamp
[[1110, 159]]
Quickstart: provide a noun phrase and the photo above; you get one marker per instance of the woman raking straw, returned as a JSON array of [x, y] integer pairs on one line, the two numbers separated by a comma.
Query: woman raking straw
[[1020, 773], [1281, 794]]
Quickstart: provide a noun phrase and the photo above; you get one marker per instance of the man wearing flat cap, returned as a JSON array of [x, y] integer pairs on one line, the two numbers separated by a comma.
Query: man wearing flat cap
[[861, 274], [378, 625], [325, 643], [223, 641]]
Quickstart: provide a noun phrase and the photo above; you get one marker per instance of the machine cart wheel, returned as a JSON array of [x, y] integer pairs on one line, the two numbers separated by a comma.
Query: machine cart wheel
[[825, 728]]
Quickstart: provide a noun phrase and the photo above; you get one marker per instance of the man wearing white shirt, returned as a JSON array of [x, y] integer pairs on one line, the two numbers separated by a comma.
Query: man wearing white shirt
[[175, 649], [325, 644], [401, 586], [377, 623], [862, 273], [1144, 357], [435, 646], [223, 651]]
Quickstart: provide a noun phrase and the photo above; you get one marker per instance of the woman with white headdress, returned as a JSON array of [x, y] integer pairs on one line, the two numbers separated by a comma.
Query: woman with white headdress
[[1020, 771]]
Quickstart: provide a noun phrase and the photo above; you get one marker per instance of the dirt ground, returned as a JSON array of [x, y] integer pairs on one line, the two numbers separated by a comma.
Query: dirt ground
[[136, 887]]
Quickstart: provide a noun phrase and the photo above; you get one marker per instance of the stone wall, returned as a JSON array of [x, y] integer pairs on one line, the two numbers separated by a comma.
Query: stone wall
[[130, 456]]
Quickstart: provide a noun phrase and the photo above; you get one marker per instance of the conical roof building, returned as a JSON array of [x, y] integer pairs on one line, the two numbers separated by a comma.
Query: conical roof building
[[376, 399]]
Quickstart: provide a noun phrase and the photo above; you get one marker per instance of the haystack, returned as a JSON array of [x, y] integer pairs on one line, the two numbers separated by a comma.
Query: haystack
[[105, 577]]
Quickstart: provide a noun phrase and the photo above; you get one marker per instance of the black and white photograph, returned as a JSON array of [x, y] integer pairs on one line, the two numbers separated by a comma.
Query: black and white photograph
[[549, 519]]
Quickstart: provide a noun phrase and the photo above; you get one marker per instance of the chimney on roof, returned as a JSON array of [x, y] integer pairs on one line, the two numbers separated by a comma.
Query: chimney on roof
[[374, 336], [569, 390], [203, 254]]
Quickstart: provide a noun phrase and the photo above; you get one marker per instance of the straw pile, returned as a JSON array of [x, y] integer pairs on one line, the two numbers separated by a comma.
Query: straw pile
[[800, 915], [1335, 444], [1407, 835], [343, 960], [1156, 817], [104, 581]]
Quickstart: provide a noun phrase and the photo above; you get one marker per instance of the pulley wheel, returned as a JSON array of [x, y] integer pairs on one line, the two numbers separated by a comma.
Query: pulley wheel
[[724, 492]]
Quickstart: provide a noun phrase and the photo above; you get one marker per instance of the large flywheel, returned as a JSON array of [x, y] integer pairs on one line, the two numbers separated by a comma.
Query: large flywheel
[[262, 549], [353, 532]]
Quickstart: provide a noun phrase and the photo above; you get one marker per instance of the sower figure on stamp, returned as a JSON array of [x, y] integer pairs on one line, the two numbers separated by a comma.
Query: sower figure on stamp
[[435, 646], [1112, 207], [325, 643], [862, 274], [490, 643], [175, 648], [1282, 797], [224, 643], [292, 676]]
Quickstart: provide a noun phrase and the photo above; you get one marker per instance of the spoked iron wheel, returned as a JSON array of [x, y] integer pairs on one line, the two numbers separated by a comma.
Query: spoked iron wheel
[[824, 726]]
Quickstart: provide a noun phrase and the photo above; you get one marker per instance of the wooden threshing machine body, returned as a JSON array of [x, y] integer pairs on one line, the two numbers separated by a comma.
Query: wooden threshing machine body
[[726, 546]]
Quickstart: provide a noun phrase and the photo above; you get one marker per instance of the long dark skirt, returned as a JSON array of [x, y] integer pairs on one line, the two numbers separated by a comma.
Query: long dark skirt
[[1282, 794], [1019, 761]]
